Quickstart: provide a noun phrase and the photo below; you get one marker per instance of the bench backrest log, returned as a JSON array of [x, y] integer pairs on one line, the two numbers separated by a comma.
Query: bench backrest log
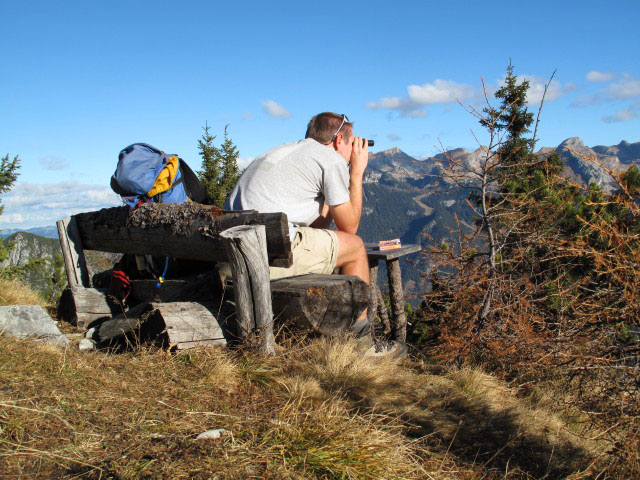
[[189, 231]]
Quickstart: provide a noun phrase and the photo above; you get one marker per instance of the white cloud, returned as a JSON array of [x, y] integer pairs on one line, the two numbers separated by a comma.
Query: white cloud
[[440, 91], [419, 96], [598, 77], [393, 137], [37, 204], [275, 110], [535, 93], [391, 103], [12, 218], [628, 87], [54, 163], [247, 116], [625, 115]]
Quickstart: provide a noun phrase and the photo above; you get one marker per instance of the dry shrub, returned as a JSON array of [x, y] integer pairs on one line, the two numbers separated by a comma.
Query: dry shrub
[[15, 292], [564, 309]]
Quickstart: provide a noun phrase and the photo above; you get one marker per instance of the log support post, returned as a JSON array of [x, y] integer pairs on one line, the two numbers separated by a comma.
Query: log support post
[[399, 328], [73, 253], [382, 311], [246, 249]]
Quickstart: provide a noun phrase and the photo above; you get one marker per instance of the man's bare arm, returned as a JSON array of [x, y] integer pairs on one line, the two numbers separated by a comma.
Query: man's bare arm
[[347, 215]]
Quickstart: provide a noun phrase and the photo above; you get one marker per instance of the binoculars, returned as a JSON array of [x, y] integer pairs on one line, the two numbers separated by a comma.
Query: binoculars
[[369, 142]]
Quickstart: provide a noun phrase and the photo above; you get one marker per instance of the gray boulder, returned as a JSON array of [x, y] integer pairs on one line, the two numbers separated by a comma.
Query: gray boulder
[[30, 321]]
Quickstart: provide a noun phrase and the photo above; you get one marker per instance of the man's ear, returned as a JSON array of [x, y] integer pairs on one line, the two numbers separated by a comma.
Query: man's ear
[[337, 141]]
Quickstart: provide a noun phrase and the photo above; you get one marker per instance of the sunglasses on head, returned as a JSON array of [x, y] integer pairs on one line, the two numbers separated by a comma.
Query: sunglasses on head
[[344, 119]]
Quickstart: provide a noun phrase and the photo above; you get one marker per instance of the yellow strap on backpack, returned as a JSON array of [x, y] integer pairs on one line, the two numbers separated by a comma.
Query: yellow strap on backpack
[[165, 178]]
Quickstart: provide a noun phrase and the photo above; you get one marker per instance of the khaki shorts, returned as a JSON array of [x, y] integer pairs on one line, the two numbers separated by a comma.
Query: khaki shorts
[[314, 251]]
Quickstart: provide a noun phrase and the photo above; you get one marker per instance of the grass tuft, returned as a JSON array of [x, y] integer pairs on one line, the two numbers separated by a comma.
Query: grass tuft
[[15, 292], [316, 410]]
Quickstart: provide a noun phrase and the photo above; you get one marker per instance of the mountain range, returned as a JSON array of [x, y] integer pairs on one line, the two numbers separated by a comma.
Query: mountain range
[[50, 231], [409, 199]]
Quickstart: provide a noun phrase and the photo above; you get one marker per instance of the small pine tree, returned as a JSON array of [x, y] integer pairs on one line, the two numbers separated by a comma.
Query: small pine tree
[[8, 175], [514, 119], [55, 278], [220, 171]]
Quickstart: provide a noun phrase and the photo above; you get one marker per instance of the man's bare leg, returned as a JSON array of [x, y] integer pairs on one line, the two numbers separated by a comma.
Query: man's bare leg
[[352, 259], [352, 256]]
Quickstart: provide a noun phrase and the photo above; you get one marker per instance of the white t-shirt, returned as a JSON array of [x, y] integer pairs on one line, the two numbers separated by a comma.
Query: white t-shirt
[[294, 178]]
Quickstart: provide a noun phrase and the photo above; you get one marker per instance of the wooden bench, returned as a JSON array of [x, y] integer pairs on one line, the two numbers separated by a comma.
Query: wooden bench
[[249, 240]]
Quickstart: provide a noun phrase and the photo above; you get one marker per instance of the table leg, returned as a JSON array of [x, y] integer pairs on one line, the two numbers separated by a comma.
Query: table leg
[[399, 326], [382, 312], [373, 299]]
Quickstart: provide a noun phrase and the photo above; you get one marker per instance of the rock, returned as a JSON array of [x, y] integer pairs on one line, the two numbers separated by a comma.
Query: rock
[[215, 433], [86, 344], [30, 321]]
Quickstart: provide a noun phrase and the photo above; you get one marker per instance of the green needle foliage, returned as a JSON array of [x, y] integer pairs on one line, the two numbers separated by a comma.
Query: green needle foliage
[[8, 175], [219, 171]]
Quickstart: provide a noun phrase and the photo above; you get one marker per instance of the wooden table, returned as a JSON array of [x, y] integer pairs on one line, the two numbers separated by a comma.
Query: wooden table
[[392, 258]]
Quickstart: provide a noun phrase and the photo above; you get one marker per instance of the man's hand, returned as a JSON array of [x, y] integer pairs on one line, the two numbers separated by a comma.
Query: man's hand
[[347, 216], [359, 156]]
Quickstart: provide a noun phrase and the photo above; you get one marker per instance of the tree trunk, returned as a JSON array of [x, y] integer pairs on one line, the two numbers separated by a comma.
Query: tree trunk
[[327, 304], [188, 324], [246, 248], [399, 327], [73, 253], [85, 306], [175, 326]]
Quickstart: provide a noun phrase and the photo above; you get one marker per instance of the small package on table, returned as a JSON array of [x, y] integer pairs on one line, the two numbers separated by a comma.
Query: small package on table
[[389, 244]]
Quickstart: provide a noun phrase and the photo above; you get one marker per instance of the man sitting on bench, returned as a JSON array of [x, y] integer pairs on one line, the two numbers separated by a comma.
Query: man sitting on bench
[[314, 181]]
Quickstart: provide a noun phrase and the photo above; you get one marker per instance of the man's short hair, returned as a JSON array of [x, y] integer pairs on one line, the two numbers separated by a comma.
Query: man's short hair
[[324, 126]]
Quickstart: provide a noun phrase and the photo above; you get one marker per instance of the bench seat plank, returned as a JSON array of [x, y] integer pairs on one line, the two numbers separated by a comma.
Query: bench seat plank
[[189, 231]]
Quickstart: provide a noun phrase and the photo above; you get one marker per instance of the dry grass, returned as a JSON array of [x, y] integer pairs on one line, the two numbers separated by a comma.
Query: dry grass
[[315, 411], [14, 292]]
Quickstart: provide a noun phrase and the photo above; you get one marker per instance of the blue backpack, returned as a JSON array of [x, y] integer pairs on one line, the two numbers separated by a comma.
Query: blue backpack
[[146, 174]]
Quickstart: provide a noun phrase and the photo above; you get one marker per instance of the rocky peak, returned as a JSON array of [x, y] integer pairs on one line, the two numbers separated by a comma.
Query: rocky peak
[[573, 142], [392, 151]]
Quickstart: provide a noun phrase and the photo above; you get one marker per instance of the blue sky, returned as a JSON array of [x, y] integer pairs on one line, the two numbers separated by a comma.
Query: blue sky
[[81, 80]]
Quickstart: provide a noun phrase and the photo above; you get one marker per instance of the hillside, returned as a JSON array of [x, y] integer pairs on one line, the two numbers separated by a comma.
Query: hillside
[[28, 246], [37, 259], [318, 412]]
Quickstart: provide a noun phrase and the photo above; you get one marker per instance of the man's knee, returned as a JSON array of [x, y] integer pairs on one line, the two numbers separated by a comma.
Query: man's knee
[[350, 248]]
